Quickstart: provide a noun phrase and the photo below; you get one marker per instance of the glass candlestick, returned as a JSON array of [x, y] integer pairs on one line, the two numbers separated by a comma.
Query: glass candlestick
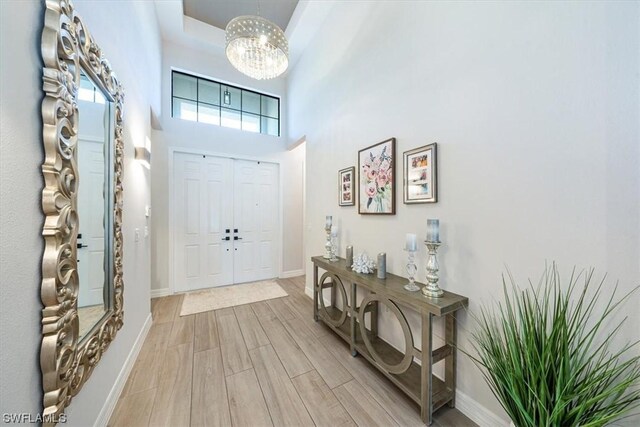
[[327, 245], [411, 272], [334, 249], [431, 289]]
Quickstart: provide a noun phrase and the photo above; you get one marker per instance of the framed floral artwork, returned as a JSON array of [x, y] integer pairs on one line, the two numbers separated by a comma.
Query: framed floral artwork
[[421, 174], [346, 186], [376, 178]]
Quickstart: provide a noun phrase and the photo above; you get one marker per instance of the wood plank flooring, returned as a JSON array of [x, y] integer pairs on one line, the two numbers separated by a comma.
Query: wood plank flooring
[[261, 364]]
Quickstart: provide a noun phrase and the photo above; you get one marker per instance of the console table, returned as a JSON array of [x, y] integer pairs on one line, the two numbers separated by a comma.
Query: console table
[[417, 381]]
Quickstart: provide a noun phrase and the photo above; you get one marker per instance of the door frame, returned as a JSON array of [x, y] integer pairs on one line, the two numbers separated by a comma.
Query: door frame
[[266, 159]]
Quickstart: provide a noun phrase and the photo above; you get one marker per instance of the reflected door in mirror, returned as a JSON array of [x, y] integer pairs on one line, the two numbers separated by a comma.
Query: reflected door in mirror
[[93, 205]]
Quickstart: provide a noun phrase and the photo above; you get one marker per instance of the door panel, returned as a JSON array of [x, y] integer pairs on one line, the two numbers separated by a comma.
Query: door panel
[[215, 203], [203, 207], [187, 184], [268, 226], [256, 212], [266, 249], [192, 206], [192, 258], [218, 259], [215, 256]]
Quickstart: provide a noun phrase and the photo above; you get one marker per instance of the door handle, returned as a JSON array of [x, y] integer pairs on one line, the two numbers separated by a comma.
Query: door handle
[[237, 238], [226, 238], [80, 246]]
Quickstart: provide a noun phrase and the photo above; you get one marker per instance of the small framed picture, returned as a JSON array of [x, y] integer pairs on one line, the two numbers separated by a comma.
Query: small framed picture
[[421, 174], [376, 175], [346, 186]]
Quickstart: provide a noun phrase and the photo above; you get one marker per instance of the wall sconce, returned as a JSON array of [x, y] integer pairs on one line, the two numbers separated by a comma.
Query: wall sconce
[[143, 155]]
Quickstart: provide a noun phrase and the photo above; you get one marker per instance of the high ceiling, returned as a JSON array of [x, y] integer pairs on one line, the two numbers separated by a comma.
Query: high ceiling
[[183, 22], [219, 12]]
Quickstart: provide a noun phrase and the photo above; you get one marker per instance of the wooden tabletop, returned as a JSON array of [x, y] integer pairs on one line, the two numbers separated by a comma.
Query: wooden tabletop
[[393, 287]]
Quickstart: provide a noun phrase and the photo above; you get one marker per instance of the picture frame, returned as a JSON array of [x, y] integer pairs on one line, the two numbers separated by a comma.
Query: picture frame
[[421, 174], [376, 179], [346, 186]]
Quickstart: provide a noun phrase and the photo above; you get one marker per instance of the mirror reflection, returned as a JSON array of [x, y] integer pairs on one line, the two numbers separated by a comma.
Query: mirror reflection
[[94, 204]]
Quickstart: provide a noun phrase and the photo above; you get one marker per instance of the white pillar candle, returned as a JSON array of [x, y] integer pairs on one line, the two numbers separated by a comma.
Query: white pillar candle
[[328, 223], [334, 230], [433, 230], [412, 242]]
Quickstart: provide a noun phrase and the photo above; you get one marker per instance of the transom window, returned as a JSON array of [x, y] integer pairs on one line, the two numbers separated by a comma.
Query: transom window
[[207, 101]]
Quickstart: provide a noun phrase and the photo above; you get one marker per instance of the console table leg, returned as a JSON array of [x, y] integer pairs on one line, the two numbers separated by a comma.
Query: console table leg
[[352, 307], [451, 336], [374, 319], [334, 296], [315, 292], [426, 392]]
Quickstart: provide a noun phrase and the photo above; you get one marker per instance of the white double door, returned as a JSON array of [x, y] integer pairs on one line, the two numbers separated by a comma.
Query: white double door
[[226, 221]]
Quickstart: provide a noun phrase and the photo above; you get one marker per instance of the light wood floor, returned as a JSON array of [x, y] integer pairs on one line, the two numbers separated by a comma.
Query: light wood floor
[[260, 364]]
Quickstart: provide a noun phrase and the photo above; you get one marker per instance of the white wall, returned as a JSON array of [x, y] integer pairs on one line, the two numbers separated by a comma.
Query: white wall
[[181, 134], [535, 107], [114, 25], [293, 206]]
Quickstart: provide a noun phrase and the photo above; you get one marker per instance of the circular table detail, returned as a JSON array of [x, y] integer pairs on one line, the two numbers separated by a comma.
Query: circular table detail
[[338, 284], [405, 363]]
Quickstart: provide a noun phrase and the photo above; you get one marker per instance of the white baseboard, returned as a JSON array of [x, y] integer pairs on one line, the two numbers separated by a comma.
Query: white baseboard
[[157, 293], [118, 386], [291, 273], [478, 413]]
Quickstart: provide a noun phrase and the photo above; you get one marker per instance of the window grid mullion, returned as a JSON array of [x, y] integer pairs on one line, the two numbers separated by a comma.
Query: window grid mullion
[[261, 115]]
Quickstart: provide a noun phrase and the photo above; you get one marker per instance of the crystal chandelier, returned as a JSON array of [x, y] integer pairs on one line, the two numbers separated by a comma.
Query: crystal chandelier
[[257, 47]]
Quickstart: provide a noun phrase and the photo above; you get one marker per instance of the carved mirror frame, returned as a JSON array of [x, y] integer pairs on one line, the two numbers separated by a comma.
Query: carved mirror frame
[[66, 363]]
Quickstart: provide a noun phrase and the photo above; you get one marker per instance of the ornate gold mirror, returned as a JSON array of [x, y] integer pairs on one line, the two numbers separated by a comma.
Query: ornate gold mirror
[[82, 201]]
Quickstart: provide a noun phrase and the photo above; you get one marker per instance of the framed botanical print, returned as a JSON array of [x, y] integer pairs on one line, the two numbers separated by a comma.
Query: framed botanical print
[[376, 178], [346, 186], [421, 174]]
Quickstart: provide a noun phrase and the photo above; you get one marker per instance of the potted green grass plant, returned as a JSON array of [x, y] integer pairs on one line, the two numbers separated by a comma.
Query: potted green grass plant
[[546, 353]]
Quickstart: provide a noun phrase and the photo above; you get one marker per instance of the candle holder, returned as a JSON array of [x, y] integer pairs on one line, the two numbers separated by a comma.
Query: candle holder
[[327, 245], [334, 249], [431, 289], [411, 272]]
